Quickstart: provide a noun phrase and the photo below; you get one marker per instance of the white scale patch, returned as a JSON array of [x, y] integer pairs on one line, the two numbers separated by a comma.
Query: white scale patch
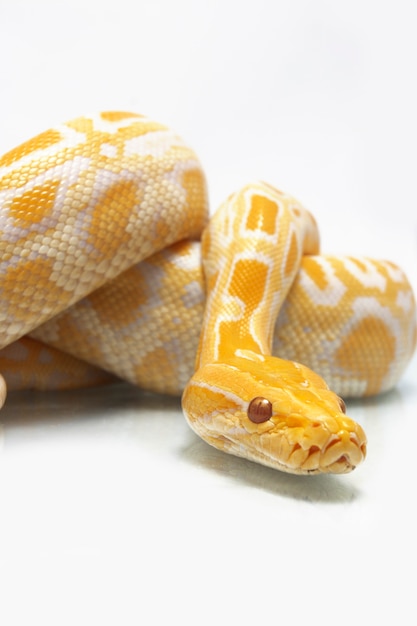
[[368, 277], [70, 139], [67, 173], [106, 149], [395, 273], [405, 301], [332, 293], [190, 261], [194, 295], [111, 127], [156, 144], [366, 305]]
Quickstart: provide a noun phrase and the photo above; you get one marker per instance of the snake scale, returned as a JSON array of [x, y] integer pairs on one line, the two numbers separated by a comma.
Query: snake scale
[[105, 274]]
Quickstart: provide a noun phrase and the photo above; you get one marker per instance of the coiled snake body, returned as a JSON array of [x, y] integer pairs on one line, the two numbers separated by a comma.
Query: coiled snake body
[[101, 276]]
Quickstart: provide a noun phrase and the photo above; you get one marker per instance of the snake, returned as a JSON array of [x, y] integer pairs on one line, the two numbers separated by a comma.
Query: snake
[[114, 267]]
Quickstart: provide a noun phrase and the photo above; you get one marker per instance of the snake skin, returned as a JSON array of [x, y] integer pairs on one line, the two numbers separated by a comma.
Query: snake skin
[[102, 274]]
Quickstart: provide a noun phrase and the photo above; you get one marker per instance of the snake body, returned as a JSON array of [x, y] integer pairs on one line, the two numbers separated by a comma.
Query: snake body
[[102, 275]]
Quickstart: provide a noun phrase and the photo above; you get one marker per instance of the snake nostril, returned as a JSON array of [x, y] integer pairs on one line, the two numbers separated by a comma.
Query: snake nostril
[[259, 410]]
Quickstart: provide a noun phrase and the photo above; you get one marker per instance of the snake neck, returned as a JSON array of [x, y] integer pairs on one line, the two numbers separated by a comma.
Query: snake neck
[[251, 253]]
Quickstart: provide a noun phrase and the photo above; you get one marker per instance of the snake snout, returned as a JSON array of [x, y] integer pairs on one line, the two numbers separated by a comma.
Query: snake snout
[[323, 448], [344, 452]]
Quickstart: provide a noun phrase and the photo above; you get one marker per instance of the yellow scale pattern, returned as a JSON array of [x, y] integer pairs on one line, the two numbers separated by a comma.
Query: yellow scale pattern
[[100, 221]]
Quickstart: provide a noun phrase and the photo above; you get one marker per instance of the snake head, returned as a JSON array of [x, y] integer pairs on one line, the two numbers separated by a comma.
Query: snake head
[[275, 412]]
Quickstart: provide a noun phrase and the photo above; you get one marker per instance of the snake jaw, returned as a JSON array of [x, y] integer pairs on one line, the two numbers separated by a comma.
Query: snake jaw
[[341, 453]]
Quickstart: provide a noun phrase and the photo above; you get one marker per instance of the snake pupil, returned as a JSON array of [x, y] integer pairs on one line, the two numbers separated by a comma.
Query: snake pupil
[[259, 410]]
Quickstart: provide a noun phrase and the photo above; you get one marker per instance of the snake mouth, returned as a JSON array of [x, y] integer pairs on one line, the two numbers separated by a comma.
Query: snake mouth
[[341, 457], [341, 453]]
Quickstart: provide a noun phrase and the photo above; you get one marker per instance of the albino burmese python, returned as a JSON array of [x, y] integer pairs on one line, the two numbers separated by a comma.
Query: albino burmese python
[[101, 277]]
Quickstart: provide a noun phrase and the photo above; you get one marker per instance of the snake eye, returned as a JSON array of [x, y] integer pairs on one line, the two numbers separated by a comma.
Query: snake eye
[[342, 405], [259, 410]]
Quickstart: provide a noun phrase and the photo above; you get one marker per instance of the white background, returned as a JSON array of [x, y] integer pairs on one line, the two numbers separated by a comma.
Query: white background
[[111, 510]]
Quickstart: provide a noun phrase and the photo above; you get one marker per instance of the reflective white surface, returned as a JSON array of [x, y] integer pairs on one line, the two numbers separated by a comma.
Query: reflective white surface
[[111, 510]]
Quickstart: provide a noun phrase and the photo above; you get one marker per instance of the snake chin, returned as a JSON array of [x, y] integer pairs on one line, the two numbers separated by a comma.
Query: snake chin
[[307, 431]]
